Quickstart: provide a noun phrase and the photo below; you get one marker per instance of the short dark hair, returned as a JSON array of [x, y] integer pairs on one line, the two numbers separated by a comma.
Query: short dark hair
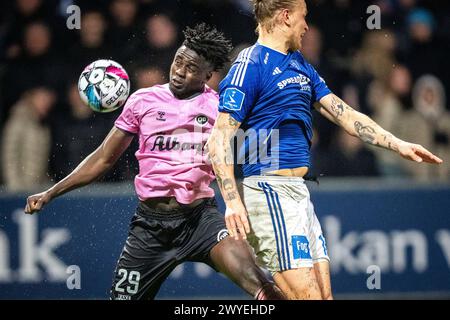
[[209, 43]]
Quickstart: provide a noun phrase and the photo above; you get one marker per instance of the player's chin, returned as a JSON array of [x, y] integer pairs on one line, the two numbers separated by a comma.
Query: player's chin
[[296, 45], [175, 87]]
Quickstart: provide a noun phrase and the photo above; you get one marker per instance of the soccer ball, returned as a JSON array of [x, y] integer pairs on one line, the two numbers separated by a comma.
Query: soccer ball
[[104, 85]]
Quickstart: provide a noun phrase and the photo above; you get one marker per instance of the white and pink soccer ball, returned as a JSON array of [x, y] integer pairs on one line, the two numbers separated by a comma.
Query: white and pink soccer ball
[[104, 85]]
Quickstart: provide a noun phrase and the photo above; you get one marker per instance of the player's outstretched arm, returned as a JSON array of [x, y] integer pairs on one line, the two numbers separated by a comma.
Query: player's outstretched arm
[[221, 157], [93, 167], [359, 125]]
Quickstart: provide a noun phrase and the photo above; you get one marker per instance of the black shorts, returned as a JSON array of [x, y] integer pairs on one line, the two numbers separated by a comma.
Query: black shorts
[[159, 241]]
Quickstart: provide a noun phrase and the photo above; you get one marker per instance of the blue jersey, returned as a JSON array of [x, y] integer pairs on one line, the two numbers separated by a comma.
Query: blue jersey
[[271, 94]]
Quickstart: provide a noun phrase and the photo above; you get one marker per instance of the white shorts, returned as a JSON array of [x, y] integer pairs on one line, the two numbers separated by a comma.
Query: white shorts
[[285, 231]]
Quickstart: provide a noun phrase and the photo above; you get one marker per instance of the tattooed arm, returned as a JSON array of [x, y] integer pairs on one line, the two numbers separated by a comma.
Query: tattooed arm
[[221, 157], [359, 125]]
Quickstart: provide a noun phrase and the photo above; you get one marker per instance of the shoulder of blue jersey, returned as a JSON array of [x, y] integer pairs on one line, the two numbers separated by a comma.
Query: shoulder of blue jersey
[[233, 97], [246, 59]]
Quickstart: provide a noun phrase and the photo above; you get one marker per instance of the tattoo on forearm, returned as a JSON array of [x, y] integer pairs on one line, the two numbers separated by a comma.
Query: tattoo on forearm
[[227, 184], [372, 133], [389, 142], [223, 156], [337, 106], [228, 156], [385, 137], [366, 133], [232, 122], [219, 173], [225, 152], [219, 179], [231, 195]]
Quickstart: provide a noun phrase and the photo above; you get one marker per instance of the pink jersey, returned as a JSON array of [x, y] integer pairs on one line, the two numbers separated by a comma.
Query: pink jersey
[[172, 134]]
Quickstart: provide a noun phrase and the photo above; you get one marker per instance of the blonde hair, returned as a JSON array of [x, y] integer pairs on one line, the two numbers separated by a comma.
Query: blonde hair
[[265, 10]]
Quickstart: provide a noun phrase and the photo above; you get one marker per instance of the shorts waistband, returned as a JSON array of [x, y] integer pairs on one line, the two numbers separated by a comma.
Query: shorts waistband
[[274, 178], [173, 214]]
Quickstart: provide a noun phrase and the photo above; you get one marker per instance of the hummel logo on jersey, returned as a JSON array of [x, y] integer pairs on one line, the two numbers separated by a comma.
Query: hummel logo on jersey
[[161, 115], [276, 71]]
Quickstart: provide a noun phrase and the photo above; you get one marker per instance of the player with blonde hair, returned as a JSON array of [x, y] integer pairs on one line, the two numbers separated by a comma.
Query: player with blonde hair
[[270, 90]]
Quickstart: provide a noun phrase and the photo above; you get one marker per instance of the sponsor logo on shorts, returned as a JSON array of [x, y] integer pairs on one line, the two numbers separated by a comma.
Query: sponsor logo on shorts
[[300, 246], [222, 235]]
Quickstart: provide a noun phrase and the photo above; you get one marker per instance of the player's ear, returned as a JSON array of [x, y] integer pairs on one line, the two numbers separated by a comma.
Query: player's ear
[[284, 17], [208, 75]]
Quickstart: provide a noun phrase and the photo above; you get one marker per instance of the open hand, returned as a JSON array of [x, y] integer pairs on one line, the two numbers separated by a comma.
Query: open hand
[[416, 152], [237, 221]]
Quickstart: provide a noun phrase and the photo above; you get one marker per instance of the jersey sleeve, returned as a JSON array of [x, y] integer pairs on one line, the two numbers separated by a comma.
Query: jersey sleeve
[[319, 86], [129, 118], [238, 91]]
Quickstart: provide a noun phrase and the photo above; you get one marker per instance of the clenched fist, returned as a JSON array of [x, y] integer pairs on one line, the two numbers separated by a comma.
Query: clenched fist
[[37, 201]]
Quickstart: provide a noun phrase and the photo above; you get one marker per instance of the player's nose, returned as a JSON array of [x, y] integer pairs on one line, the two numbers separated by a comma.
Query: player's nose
[[180, 72]]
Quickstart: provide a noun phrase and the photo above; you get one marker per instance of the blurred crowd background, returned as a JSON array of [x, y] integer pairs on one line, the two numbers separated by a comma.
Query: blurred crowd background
[[399, 75]]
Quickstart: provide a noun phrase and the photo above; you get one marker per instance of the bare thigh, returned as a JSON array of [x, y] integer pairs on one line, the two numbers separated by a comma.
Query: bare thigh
[[299, 284], [236, 260], [322, 270]]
